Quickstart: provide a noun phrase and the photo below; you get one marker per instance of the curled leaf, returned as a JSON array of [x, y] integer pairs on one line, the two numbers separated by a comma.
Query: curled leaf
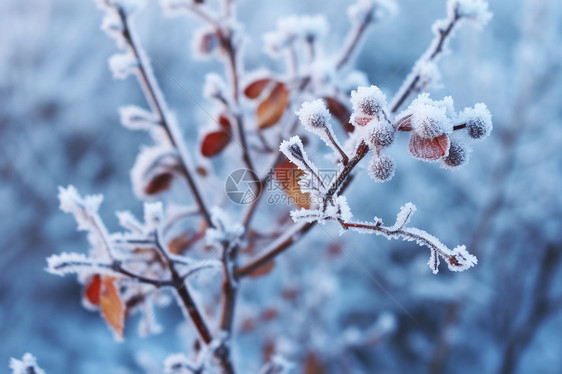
[[92, 290], [216, 141], [288, 176], [112, 307], [270, 110], [254, 89], [263, 270], [159, 183], [429, 149]]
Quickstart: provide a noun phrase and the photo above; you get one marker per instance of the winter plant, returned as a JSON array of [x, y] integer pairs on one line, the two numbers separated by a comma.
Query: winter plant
[[157, 257]]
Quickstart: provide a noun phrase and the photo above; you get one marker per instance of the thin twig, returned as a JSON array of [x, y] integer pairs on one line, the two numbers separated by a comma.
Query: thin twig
[[410, 86], [353, 41], [150, 87]]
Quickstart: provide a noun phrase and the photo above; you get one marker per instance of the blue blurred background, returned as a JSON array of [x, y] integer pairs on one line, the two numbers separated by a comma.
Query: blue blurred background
[[59, 125]]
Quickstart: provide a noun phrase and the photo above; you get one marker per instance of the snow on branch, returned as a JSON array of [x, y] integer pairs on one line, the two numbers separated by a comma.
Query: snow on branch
[[27, 365], [180, 364], [85, 211], [458, 259], [425, 70]]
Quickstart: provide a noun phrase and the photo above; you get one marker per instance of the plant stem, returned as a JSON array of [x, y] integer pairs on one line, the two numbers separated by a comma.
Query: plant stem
[[157, 103]]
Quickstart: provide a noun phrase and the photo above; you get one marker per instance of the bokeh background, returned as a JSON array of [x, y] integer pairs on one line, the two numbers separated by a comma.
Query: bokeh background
[[59, 125]]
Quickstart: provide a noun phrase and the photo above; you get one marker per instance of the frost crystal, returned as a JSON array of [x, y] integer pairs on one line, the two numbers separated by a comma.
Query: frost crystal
[[293, 28], [151, 163], [368, 100], [76, 263], [314, 115], [27, 365], [137, 118], [122, 65], [214, 86], [179, 364], [381, 134], [294, 150], [429, 118], [403, 217], [83, 209], [457, 155], [381, 168], [225, 230], [476, 10], [364, 11], [478, 121]]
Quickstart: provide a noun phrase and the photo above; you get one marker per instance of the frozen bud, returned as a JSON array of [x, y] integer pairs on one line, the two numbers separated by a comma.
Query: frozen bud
[[430, 122], [314, 114], [457, 155], [382, 134], [478, 121], [476, 10], [369, 100], [205, 42], [313, 27], [214, 86], [381, 168]]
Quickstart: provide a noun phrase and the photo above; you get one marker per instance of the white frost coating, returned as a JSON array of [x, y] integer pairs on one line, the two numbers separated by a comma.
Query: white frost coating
[[313, 27], [294, 150], [136, 118], [122, 65], [152, 161], [478, 121], [371, 10], [225, 229], [403, 217], [476, 10], [128, 221], [278, 365], [368, 100], [381, 167], [337, 210], [214, 86], [434, 262], [430, 118], [28, 364], [83, 209], [293, 28], [153, 214], [76, 263], [458, 259], [179, 363], [314, 115], [315, 118], [205, 41]]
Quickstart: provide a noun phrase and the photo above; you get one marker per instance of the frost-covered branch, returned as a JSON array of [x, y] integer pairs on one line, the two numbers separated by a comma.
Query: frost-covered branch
[[27, 365], [117, 25], [458, 259], [425, 70], [362, 14]]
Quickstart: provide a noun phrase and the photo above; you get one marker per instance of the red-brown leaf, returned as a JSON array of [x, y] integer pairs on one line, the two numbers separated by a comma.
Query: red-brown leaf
[[288, 176], [112, 307], [216, 141], [263, 270], [93, 289], [429, 149], [159, 183], [270, 110], [340, 111], [254, 89]]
